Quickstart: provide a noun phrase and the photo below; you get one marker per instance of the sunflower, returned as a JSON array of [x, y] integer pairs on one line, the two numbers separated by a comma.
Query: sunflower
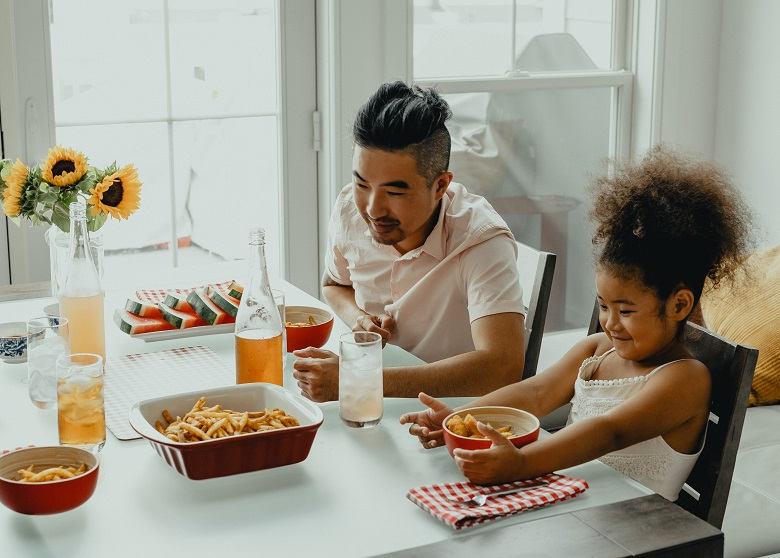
[[14, 187], [64, 166], [118, 194]]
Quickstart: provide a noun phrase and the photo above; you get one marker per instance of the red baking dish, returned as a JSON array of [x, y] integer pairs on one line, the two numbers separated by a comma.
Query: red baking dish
[[235, 454], [52, 496]]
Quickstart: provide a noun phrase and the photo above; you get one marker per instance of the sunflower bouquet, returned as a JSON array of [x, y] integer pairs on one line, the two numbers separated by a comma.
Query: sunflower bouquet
[[43, 194]]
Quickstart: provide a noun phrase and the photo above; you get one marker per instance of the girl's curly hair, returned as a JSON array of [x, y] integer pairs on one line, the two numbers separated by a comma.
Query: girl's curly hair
[[670, 220]]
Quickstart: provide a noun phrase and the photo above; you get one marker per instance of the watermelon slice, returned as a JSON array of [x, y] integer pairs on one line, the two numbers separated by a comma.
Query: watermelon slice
[[235, 290], [206, 309], [179, 319], [178, 301], [143, 309], [133, 325], [225, 302]]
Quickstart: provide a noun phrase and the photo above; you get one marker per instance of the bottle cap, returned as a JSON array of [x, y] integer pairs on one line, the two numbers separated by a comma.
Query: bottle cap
[[256, 234]]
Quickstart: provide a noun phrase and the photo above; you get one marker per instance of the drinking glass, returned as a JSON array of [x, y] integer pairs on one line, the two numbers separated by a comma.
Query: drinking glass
[[47, 340], [360, 379], [80, 412]]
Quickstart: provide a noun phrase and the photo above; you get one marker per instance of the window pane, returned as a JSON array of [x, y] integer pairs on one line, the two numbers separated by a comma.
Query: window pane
[[530, 154], [217, 136], [226, 177], [223, 57], [460, 38]]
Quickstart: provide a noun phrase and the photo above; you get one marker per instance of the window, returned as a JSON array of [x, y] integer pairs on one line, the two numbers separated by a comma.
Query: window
[[540, 100], [197, 95]]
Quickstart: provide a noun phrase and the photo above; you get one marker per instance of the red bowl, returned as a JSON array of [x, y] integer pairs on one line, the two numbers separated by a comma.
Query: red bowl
[[524, 424], [315, 335], [47, 497], [232, 455]]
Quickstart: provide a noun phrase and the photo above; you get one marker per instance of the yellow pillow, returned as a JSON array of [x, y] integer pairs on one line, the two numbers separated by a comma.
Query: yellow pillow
[[748, 312]]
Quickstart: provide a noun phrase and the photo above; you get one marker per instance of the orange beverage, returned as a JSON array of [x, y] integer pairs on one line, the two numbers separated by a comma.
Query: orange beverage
[[80, 415], [85, 318], [258, 359]]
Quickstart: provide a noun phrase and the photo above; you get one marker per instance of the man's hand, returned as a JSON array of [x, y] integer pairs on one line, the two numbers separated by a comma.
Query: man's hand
[[384, 325], [426, 425], [502, 462], [317, 372]]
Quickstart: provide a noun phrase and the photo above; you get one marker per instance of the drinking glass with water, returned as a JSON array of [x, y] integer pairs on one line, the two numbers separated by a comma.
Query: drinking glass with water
[[360, 379], [47, 340]]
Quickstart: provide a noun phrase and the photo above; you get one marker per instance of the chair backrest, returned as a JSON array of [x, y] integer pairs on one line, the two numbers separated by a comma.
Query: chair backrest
[[536, 270], [731, 366]]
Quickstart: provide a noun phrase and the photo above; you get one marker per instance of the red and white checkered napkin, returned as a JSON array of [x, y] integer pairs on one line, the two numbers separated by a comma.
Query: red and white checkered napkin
[[451, 502], [155, 296]]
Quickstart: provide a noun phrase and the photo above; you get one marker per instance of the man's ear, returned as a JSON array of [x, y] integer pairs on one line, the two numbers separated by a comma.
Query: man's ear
[[680, 304], [441, 183]]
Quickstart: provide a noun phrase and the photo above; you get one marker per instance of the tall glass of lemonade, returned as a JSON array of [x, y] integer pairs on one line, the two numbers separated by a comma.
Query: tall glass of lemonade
[[259, 326]]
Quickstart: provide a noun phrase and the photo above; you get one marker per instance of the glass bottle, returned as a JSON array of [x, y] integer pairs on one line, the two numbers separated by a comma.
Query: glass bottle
[[81, 297], [259, 326]]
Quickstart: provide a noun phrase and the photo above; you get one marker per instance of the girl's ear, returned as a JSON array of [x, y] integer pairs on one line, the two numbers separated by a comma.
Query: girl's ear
[[680, 304]]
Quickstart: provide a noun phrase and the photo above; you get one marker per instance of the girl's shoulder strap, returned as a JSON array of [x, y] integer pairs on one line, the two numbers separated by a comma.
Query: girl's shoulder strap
[[664, 365]]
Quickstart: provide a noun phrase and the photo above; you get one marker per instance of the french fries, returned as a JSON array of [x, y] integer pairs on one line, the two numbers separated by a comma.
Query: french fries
[[310, 321], [209, 423], [467, 427], [50, 473]]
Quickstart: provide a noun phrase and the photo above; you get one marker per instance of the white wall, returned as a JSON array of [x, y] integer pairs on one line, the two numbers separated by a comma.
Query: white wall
[[747, 136]]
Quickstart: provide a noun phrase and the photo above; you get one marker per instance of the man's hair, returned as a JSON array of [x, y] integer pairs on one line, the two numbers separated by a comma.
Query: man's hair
[[398, 117]]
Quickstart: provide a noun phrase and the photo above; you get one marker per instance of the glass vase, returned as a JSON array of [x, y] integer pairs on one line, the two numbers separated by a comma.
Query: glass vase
[[58, 242]]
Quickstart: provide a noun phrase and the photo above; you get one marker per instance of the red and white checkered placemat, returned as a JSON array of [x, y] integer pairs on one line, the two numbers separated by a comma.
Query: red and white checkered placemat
[[133, 378], [450, 503], [156, 296]]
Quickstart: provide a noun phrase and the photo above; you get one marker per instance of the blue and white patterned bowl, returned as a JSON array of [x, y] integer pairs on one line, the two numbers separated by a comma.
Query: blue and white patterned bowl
[[13, 342]]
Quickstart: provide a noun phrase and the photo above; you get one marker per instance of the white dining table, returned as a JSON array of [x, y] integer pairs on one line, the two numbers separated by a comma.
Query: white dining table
[[348, 498]]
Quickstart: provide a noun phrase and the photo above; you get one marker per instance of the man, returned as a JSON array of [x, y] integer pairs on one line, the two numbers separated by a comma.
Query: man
[[414, 257]]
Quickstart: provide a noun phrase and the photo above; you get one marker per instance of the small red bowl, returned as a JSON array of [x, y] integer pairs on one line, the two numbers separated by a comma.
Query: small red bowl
[[42, 498], [524, 424], [300, 337]]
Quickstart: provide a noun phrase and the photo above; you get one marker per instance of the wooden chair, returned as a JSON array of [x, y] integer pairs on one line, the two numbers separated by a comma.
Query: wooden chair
[[706, 490], [536, 271]]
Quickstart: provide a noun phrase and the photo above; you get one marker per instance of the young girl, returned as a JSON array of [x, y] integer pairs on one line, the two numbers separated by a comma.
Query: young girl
[[639, 401]]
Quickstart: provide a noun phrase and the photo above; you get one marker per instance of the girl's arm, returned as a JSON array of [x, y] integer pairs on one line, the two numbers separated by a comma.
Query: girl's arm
[[672, 398], [543, 393]]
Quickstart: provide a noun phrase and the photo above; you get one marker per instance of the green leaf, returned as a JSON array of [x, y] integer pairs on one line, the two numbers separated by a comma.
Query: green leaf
[[94, 223], [60, 216]]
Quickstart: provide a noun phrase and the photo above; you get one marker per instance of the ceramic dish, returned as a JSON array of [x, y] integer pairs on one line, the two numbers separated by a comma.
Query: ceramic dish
[[234, 454], [302, 336], [46, 497], [13, 342], [524, 425]]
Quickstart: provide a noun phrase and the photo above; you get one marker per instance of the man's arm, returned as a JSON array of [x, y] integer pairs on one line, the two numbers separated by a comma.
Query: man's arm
[[341, 298], [496, 361]]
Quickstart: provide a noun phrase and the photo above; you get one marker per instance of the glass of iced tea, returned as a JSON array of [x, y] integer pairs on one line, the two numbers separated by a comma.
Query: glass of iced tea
[[80, 412]]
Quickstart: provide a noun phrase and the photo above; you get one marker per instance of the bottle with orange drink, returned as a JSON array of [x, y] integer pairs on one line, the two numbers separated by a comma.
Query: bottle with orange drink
[[259, 326], [81, 297]]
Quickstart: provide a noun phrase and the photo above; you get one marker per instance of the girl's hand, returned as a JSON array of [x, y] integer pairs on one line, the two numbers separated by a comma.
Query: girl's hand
[[502, 462], [426, 425]]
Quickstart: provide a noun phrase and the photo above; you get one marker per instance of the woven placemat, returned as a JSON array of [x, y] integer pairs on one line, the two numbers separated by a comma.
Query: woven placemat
[[133, 378]]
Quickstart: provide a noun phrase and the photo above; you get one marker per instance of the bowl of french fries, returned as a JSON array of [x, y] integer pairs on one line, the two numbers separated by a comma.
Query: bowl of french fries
[[460, 428], [228, 430], [47, 479], [307, 326]]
